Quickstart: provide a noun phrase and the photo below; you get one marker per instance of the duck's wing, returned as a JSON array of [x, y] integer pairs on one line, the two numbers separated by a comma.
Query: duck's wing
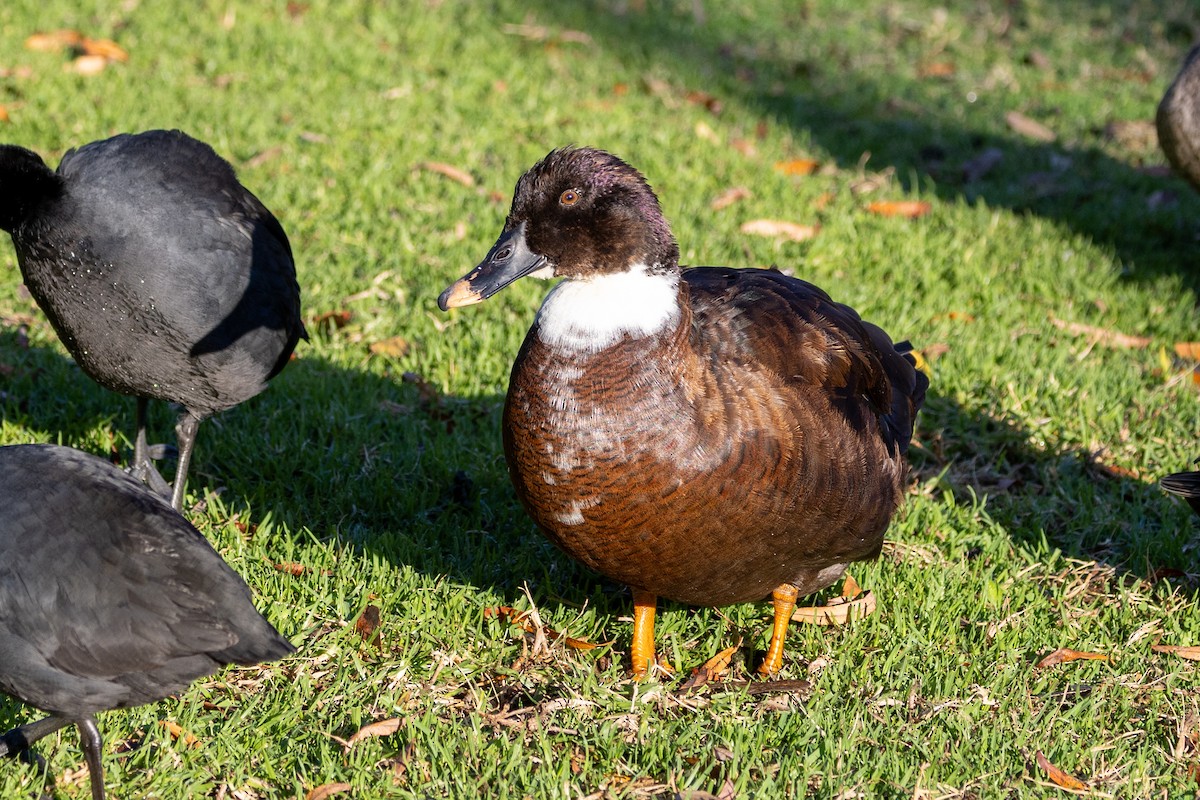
[[769, 320]]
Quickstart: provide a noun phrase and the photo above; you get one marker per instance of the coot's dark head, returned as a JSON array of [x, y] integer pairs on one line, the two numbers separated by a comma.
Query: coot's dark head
[[578, 212], [25, 182]]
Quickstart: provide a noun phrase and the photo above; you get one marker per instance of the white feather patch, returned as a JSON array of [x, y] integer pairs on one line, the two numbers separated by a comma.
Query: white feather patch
[[589, 314]]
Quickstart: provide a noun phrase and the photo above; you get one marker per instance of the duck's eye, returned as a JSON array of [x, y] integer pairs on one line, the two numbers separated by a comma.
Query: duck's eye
[[569, 198]]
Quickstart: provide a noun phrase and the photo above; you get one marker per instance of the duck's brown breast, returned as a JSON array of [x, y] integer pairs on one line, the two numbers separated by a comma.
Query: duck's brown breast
[[688, 465]]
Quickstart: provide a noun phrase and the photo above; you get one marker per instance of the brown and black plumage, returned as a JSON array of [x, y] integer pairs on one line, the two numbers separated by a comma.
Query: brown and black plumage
[[707, 435], [1185, 485]]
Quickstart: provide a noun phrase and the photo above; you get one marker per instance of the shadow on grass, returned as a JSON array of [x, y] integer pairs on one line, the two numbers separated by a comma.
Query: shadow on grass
[[1044, 494], [1150, 222]]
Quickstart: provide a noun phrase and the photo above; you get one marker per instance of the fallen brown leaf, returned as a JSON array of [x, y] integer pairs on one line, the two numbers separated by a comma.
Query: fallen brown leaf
[[394, 347], [296, 569], [1101, 335], [264, 155], [704, 131], [1056, 775], [797, 166], [53, 41], [332, 320], [3, 113], [850, 588], [327, 790], [521, 618], [743, 146], [383, 727], [936, 69], [780, 228], [729, 197], [450, 171], [713, 670], [87, 65], [933, 352], [900, 208], [105, 48], [540, 33], [367, 626], [1064, 654], [1188, 350], [838, 611], [1029, 128], [710, 102], [1191, 653], [178, 733]]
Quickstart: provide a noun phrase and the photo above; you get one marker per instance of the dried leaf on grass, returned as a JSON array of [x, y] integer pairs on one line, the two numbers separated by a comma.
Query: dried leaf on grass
[[1065, 654], [839, 610], [1102, 336], [383, 727], [936, 69], [178, 733], [332, 320], [797, 166], [1191, 653], [713, 670], [1188, 350], [367, 626], [53, 41], [448, 170], [1056, 775], [709, 101], [1029, 128], [900, 208], [328, 790], [522, 618], [393, 347], [729, 197], [105, 48], [541, 33], [792, 231], [296, 569], [3, 113], [87, 65]]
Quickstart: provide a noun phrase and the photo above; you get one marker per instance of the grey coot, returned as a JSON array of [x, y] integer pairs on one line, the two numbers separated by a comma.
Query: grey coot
[[164, 277], [109, 598]]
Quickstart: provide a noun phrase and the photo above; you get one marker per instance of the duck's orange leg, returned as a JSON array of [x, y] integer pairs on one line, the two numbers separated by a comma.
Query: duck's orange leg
[[641, 651], [784, 598]]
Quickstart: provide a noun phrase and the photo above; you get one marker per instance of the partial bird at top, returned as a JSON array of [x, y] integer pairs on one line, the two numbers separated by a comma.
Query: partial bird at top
[[1178, 119], [707, 435], [163, 276]]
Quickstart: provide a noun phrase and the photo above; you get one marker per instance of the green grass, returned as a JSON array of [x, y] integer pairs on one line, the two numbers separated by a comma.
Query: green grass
[[1016, 539]]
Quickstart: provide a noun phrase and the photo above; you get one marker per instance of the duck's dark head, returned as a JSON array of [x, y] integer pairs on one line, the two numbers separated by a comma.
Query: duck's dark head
[[25, 181], [577, 213]]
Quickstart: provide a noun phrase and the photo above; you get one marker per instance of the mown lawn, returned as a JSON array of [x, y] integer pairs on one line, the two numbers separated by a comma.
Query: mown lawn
[[371, 474]]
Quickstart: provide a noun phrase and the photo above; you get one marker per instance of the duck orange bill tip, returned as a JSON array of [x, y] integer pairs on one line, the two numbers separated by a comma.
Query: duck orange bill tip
[[459, 294]]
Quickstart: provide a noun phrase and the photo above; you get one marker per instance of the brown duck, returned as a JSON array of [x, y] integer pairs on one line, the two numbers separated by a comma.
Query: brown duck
[[707, 435]]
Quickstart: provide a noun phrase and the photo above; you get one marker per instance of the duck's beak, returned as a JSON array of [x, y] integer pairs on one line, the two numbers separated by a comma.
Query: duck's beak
[[509, 259]]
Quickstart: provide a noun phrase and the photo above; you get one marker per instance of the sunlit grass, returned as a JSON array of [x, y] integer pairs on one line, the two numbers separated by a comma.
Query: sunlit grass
[[1033, 522]]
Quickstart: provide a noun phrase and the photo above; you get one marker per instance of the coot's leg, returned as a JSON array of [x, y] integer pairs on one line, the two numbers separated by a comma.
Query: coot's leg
[[185, 432], [17, 741], [89, 737], [144, 454]]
